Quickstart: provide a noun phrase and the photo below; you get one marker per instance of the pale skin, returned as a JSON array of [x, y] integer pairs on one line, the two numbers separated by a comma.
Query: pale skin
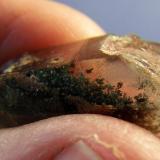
[[28, 25]]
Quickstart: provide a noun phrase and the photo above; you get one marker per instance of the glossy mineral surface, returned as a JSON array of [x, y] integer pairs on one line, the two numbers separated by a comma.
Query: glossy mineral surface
[[109, 75]]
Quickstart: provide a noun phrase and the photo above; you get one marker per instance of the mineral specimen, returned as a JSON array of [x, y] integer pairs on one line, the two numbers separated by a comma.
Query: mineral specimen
[[109, 75]]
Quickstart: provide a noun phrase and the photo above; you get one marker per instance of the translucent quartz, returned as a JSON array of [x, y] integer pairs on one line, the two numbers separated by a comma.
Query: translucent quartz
[[127, 59]]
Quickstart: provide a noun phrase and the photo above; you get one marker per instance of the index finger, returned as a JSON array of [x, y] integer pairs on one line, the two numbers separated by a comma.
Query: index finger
[[27, 25]]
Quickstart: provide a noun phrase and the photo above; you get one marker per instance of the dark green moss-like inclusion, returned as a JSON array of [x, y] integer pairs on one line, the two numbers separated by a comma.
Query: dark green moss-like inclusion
[[47, 91]]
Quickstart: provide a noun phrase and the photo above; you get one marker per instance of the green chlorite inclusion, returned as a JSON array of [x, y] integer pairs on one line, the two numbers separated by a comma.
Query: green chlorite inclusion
[[45, 92], [36, 88]]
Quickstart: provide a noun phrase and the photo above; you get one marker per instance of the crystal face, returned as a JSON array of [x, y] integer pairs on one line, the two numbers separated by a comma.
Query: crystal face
[[109, 75]]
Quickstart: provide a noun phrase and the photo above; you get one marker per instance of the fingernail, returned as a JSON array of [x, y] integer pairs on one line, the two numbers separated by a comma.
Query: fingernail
[[78, 151]]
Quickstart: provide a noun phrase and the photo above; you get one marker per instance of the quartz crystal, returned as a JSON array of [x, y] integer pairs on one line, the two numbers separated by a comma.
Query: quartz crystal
[[110, 75]]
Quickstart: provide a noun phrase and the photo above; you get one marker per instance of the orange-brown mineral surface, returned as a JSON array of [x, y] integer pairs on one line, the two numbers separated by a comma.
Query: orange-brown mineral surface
[[109, 75]]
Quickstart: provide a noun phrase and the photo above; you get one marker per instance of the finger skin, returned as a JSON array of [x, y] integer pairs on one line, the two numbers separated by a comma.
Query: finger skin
[[28, 25], [44, 139]]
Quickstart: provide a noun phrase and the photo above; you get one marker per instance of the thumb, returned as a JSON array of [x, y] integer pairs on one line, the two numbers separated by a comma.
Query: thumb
[[87, 137]]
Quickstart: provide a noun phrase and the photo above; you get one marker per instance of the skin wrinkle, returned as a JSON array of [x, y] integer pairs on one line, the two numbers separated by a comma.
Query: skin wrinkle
[[93, 139], [38, 137], [73, 127], [122, 140], [114, 148], [54, 131], [126, 133]]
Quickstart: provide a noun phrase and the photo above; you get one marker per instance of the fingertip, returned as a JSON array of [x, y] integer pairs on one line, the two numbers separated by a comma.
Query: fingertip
[[38, 24], [107, 136]]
